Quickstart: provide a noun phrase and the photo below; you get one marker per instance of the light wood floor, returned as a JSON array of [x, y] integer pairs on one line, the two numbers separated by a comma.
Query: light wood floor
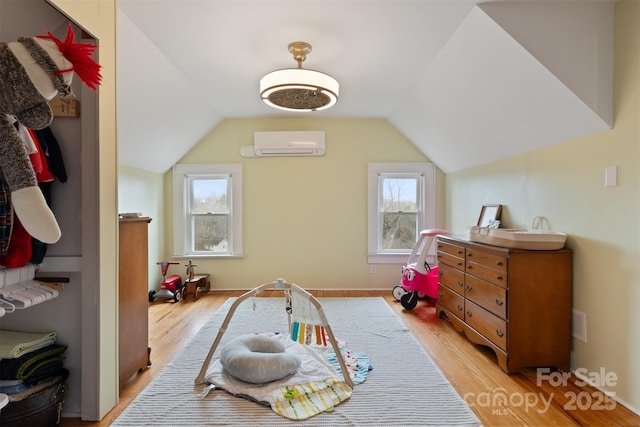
[[471, 369]]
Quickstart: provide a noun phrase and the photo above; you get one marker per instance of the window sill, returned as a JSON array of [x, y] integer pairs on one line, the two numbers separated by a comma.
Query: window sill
[[394, 259], [202, 256], [387, 258]]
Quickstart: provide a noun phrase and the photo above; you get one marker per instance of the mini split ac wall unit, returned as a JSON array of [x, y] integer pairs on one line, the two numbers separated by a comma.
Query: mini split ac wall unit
[[285, 143]]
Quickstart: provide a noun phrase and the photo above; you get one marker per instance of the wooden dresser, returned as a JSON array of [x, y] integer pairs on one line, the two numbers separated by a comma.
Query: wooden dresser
[[516, 302], [133, 297]]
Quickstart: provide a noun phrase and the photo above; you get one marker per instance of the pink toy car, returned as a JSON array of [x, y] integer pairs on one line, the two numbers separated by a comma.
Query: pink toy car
[[418, 278]]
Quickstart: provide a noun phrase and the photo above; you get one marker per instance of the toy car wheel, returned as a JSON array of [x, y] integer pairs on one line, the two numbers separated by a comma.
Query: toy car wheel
[[177, 295], [397, 292], [409, 300], [152, 295]]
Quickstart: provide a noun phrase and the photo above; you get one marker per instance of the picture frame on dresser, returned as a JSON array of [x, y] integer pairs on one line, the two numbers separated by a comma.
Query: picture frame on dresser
[[489, 213]]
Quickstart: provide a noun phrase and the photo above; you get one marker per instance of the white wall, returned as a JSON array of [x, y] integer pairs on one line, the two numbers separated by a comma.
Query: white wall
[[142, 191], [565, 184]]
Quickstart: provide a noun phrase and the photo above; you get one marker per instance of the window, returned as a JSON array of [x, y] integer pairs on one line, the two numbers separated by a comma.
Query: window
[[401, 204], [207, 210]]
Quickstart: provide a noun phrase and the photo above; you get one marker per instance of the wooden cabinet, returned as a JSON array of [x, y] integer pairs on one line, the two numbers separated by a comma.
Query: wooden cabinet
[[516, 302], [133, 298]]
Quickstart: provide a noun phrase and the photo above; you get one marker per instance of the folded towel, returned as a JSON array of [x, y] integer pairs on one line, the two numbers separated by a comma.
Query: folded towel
[[14, 344], [48, 370], [25, 366]]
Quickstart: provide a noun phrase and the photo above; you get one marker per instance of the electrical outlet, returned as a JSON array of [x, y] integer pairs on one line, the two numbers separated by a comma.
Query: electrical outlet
[[579, 325], [373, 269]]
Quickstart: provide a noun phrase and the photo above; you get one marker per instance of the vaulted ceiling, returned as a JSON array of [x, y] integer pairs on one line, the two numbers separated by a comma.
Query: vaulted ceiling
[[467, 81]]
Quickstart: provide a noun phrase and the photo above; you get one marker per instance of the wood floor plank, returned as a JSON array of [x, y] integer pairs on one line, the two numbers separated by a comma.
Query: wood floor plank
[[471, 369]]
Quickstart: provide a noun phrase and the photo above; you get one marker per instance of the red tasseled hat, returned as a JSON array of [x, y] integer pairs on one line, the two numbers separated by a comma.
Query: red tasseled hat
[[79, 54]]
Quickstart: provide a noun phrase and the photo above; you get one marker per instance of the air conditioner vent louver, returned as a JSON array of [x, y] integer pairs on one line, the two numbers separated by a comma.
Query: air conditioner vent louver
[[286, 143]]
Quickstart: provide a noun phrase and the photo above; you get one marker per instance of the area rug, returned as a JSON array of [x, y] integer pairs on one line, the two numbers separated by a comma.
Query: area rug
[[404, 388]]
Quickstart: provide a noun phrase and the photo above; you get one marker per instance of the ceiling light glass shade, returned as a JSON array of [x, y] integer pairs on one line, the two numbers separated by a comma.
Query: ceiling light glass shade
[[297, 89]]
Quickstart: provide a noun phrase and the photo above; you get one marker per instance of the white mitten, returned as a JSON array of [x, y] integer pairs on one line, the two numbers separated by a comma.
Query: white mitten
[[34, 213]]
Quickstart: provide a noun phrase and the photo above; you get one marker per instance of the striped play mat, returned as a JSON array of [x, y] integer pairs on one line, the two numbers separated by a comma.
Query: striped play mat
[[404, 388]]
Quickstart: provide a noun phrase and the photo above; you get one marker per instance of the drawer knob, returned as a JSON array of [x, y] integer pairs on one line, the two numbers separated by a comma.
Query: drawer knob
[[440, 273], [469, 267], [499, 302], [460, 283], [439, 294], [460, 307], [499, 333], [498, 277], [469, 287], [498, 262], [459, 264], [469, 254], [469, 314], [459, 251]]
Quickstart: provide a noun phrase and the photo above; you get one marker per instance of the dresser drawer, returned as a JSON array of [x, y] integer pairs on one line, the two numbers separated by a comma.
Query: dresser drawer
[[489, 274], [486, 295], [451, 301], [489, 325], [445, 258], [451, 278], [493, 261], [448, 248]]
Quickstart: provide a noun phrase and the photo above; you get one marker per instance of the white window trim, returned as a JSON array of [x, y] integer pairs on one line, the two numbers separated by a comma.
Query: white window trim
[[180, 172], [426, 220]]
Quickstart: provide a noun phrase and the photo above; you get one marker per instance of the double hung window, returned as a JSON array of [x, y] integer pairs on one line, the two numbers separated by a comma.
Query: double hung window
[[401, 204], [207, 210]]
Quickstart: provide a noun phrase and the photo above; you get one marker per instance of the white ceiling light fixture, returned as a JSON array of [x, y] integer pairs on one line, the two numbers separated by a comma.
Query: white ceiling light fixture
[[295, 89]]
